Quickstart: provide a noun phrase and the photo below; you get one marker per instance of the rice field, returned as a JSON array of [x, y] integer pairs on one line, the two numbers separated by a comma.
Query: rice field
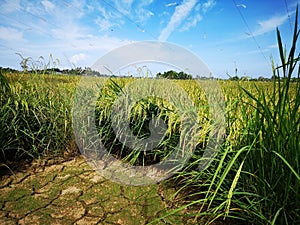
[[254, 178]]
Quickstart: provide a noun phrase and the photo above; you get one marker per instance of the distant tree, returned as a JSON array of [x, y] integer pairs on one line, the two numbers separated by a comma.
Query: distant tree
[[184, 76], [9, 70], [261, 78], [171, 74]]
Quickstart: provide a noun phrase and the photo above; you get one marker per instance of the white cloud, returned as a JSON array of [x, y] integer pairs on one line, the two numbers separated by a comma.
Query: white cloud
[[107, 19], [141, 11], [77, 7], [128, 2], [260, 51], [103, 12], [104, 24], [74, 32], [181, 12], [241, 5], [273, 46], [78, 57], [150, 13], [270, 24], [124, 7], [209, 4], [99, 44], [82, 51], [145, 2], [198, 7], [10, 34], [171, 4], [192, 22], [143, 14], [136, 12], [49, 6], [61, 33], [9, 6]]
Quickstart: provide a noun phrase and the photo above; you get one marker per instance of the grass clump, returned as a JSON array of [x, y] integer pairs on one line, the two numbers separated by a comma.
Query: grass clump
[[256, 177], [147, 116], [273, 164], [35, 115]]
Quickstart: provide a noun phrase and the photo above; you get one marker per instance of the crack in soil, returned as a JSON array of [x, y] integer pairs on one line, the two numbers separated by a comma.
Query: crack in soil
[[71, 192]]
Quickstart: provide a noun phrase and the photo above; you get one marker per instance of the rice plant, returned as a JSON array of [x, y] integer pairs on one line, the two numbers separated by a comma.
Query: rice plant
[[256, 177], [35, 115], [141, 115], [273, 164], [5, 98]]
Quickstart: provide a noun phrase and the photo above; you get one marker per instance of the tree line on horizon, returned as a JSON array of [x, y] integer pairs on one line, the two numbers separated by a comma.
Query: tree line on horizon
[[171, 74]]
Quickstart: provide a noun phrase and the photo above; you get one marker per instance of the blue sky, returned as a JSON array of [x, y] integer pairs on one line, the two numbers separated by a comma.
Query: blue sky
[[224, 34]]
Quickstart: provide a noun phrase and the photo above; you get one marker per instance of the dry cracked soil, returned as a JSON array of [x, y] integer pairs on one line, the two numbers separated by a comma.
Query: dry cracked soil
[[71, 192]]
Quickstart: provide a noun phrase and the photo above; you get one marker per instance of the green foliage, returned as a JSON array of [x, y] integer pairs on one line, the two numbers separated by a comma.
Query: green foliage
[[5, 98], [35, 115], [141, 114], [5, 90], [273, 131], [174, 75], [256, 177]]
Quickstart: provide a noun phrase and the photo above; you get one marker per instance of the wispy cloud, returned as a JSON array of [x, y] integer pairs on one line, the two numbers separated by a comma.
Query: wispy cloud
[[10, 34], [192, 22], [241, 5], [209, 4], [181, 12], [142, 12], [128, 2], [273, 46], [259, 51], [78, 57], [49, 6], [124, 7], [270, 24], [104, 24], [106, 19], [9, 6], [171, 4], [116, 12], [40, 29]]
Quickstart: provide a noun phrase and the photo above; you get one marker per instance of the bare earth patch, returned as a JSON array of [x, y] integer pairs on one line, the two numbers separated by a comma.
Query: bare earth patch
[[73, 193]]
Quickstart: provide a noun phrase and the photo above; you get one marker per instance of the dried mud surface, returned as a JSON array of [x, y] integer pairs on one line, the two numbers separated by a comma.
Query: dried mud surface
[[72, 192]]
